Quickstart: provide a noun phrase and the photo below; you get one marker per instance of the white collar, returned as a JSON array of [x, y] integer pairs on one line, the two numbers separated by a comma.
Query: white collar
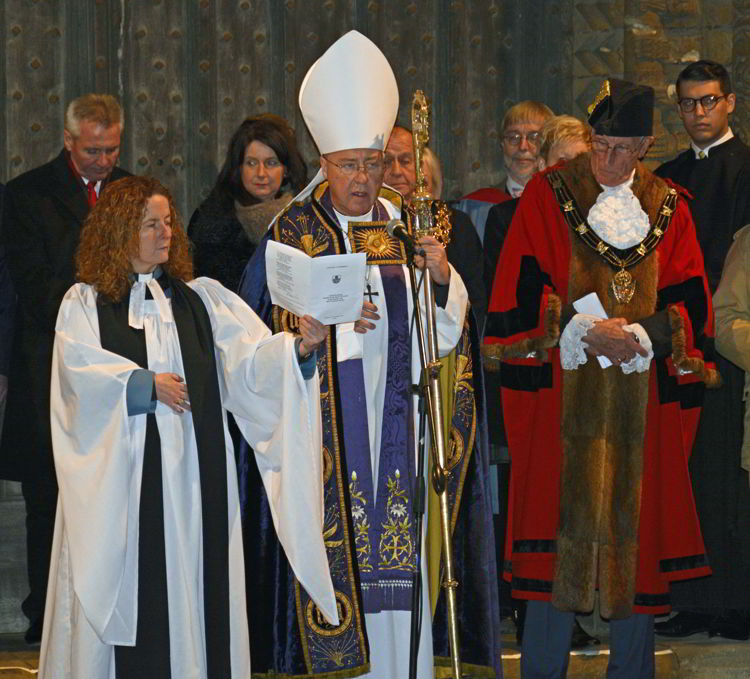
[[345, 219], [514, 188], [726, 137], [137, 306]]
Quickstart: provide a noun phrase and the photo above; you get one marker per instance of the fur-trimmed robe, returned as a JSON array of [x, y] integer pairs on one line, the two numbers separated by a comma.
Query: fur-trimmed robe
[[600, 493]]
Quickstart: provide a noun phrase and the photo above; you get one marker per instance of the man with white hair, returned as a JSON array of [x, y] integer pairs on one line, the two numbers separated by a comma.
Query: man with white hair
[[43, 215], [599, 309], [349, 99]]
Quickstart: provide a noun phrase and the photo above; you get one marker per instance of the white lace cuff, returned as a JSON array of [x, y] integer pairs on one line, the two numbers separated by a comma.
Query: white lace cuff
[[572, 349], [639, 364]]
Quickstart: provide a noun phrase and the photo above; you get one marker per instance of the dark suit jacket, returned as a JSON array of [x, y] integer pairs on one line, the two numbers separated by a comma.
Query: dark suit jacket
[[43, 213], [7, 303]]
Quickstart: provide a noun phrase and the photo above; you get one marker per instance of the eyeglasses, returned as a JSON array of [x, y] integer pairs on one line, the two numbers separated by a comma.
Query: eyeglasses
[[514, 138], [372, 168], [708, 102], [619, 150]]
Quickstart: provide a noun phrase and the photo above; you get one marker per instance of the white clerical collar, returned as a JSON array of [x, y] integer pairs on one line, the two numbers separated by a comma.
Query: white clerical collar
[[514, 188], [729, 134], [146, 277], [345, 219]]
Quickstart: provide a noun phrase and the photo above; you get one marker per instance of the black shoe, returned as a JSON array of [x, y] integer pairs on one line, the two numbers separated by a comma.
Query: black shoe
[[683, 625], [581, 638], [729, 626], [33, 636]]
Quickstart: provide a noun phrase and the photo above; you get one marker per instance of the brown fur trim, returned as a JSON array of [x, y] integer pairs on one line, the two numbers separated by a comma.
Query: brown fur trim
[[650, 190], [580, 180], [603, 430], [693, 364], [494, 354]]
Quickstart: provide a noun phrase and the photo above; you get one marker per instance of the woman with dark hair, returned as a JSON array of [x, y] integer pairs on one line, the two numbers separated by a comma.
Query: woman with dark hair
[[262, 172], [147, 576]]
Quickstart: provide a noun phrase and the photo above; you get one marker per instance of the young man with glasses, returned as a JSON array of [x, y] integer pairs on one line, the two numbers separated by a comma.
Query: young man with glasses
[[521, 141], [716, 171], [599, 488]]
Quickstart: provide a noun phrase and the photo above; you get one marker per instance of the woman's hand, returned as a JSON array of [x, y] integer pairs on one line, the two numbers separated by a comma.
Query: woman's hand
[[369, 310], [435, 258], [313, 333], [172, 391]]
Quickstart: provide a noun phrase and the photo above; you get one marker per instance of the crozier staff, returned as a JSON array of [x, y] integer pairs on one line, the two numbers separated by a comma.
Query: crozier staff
[[147, 573]]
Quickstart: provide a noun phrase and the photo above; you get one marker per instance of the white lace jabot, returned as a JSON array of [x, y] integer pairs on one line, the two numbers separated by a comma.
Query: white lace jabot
[[617, 216]]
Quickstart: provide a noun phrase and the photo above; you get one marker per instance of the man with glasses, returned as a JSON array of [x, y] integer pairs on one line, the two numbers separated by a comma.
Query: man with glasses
[[600, 403], [521, 141], [367, 369], [716, 171]]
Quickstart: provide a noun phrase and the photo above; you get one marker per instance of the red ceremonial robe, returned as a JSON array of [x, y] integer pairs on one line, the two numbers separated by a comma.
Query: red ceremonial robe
[[546, 264]]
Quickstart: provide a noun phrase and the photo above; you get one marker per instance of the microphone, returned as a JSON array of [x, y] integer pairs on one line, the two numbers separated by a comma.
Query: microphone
[[397, 229]]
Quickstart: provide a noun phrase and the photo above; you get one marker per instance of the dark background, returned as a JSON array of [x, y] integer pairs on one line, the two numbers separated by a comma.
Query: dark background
[[188, 71]]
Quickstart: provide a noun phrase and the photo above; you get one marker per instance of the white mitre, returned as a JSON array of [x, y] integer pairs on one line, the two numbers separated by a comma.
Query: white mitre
[[349, 99]]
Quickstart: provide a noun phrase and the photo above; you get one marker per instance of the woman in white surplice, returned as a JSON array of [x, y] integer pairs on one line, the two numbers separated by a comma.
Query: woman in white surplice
[[147, 574]]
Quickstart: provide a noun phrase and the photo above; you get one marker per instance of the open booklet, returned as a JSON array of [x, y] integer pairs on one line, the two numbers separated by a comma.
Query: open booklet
[[329, 288]]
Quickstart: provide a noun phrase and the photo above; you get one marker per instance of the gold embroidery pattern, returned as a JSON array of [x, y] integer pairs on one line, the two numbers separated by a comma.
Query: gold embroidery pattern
[[465, 409], [321, 626], [372, 238], [335, 646], [361, 526], [296, 232], [327, 464], [396, 548], [331, 524]]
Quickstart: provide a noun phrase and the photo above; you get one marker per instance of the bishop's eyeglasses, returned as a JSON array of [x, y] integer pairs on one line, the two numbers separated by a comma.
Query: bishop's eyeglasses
[[372, 168], [687, 105]]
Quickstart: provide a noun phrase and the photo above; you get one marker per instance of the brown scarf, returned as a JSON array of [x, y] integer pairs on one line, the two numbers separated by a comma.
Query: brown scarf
[[256, 219]]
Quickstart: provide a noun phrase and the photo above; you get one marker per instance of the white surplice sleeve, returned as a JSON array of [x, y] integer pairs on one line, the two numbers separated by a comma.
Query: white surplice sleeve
[[449, 320], [98, 452], [278, 413]]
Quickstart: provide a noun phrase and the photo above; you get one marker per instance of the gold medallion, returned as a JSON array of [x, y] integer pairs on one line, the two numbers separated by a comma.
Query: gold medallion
[[623, 286]]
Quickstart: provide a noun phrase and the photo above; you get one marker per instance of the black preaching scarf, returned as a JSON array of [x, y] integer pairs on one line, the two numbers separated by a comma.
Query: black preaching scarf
[[150, 656]]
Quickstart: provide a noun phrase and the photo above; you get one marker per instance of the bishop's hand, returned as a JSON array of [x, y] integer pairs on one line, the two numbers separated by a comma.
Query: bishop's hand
[[435, 258], [369, 311]]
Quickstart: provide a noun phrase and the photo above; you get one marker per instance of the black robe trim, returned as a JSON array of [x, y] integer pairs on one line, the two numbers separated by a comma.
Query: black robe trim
[[197, 347], [686, 563], [524, 317], [526, 377]]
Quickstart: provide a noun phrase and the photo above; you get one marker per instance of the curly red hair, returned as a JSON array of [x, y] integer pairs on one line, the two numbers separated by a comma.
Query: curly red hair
[[111, 237]]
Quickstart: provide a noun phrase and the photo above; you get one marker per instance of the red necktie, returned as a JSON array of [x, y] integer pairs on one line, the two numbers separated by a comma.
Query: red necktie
[[91, 188]]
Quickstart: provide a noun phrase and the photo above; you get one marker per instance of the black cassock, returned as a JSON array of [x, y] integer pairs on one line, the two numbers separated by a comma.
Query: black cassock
[[720, 185]]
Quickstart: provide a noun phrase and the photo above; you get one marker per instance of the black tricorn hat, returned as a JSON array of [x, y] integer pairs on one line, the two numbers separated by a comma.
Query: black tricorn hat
[[623, 109]]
